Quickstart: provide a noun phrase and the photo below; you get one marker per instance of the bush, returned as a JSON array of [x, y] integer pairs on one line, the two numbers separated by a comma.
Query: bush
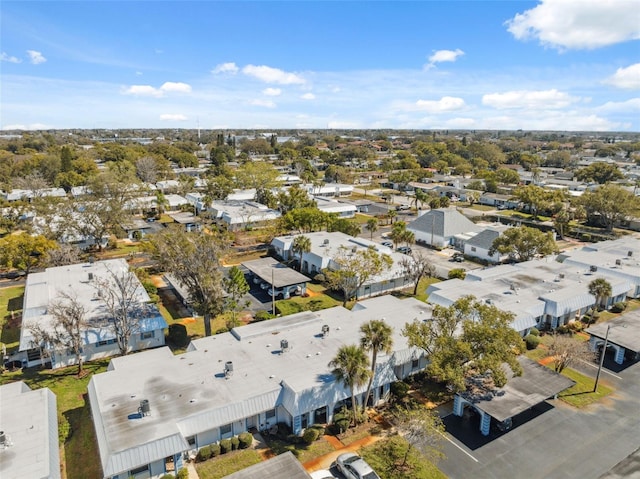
[[531, 341], [203, 454], [534, 332], [262, 315], [178, 335], [246, 439], [235, 443], [225, 446], [310, 435], [215, 450], [168, 476], [619, 307], [399, 390], [183, 473], [564, 329], [319, 278], [341, 421], [576, 326], [459, 273]]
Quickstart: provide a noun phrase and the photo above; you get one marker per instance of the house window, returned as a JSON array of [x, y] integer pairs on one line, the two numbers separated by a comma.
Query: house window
[[106, 342], [138, 470], [147, 335], [271, 413], [226, 429], [473, 248], [415, 363], [191, 440]]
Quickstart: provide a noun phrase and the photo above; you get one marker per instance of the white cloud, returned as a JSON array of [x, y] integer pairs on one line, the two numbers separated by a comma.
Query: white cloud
[[440, 56], [531, 99], [272, 91], [173, 117], [176, 87], [32, 126], [631, 106], [36, 57], [228, 67], [308, 96], [342, 125], [578, 24], [444, 104], [627, 78], [461, 123], [8, 58], [263, 103], [272, 75], [138, 74]]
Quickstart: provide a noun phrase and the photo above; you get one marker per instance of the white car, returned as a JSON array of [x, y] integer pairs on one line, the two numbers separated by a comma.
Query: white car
[[322, 474], [353, 466]]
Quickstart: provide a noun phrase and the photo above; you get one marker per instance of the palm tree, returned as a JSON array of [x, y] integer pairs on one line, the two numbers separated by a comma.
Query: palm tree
[[376, 336], [372, 226], [351, 368], [392, 214], [301, 244], [601, 289]]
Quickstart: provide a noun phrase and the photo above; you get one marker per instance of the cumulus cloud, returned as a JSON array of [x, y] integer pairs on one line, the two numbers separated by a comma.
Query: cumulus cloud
[[32, 126], [627, 78], [440, 56], [631, 106], [8, 58], [444, 104], [272, 91], [228, 67], [531, 99], [36, 58], [173, 117], [308, 96], [262, 103], [578, 24], [148, 90], [272, 75]]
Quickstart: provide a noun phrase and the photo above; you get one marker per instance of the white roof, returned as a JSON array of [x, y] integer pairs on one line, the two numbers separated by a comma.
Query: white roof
[[30, 420]]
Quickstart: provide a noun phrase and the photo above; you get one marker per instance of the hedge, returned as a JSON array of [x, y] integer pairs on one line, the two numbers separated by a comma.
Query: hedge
[[246, 439]]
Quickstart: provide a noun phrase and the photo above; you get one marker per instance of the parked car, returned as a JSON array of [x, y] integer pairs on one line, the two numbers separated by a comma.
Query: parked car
[[322, 474], [352, 466], [404, 250], [403, 207], [457, 257], [265, 285], [286, 292], [388, 244]]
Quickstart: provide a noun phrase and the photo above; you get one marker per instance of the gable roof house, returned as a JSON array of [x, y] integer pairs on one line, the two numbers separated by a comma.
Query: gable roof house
[[99, 340], [29, 436], [439, 227], [478, 245], [153, 407]]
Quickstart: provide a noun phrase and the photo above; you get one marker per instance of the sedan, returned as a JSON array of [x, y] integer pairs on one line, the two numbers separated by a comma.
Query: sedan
[[353, 466]]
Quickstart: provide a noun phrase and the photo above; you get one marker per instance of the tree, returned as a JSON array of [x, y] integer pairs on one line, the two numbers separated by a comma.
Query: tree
[[294, 197], [523, 243], [304, 220], [120, 293], [601, 289], [194, 259], [64, 254], [351, 368], [256, 174], [457, 273], [376, 336], [467, 339], [372, 226], [567, 351], [561, 222], [69, 321], [392, 214], [599, 172], [24, 252], [416, 267], [301, 244], [537, 199], [423, 430], [350, 270], [147, 169], [608, 205], [236, 286]]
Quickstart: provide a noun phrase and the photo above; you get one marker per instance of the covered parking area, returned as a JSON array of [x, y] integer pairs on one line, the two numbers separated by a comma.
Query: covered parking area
[[536, 384], [622, 336], [284, 280]]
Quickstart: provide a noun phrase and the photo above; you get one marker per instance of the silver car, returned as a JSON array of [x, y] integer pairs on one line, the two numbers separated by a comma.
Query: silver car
[[353, 466]]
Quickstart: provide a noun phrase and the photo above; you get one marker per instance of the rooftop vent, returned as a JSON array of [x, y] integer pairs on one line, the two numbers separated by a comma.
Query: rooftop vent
[[228, 369], [354, 249], [618, 262], [284, 345], [629, 253], [325, 330], [593, 268], [561, 276], [90, 276], [5, 441], [145, 408], [326, 241]]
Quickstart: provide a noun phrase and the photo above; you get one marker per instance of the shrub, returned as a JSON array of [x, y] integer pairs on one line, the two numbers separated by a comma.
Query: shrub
[[319, 278], [225, 446], [178, 334], [203, 454], [319, 428], [457, 273], [399, 390], [534, 332], [564, 329], [341, 421], [531, 341], [215, 450], [262, 315], [310, 435], [576, 326], [183, 473], [619, 307], [235, 443], [246, 439]]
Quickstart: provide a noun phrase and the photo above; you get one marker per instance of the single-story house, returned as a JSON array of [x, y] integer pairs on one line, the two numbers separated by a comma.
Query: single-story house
[[29, 433], [188, 220], [440, 226], [479, 244], [99, 340], [242, 214], [622, 335], [285, 280], [155, 408], [329, 189], [342, 210], [498, 200]]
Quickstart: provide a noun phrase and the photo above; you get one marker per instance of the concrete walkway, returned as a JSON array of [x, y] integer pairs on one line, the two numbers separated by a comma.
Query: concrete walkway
[[191, 467]]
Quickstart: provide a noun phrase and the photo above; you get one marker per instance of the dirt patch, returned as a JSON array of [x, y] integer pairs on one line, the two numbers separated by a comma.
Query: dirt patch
[[158, 281], [311, 294], [546, 361]]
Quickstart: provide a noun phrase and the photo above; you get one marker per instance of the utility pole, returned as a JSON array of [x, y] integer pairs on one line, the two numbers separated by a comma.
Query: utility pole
[[604, 351]]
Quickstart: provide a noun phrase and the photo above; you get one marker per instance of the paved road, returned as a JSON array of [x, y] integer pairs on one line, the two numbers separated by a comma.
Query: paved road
[[561, 442]]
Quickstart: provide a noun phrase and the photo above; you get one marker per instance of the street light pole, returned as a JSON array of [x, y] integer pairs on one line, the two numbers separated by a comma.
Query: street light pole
[[604, 351]]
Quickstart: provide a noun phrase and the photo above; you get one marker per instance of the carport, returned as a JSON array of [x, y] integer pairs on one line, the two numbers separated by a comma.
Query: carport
[[622, 334], [537, 384], [278, 275]]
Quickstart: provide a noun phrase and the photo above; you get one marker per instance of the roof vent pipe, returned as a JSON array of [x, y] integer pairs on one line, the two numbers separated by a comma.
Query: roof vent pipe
[[145, 408]]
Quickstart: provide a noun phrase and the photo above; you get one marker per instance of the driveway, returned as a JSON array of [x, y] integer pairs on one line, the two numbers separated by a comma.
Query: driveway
[[557, 441]]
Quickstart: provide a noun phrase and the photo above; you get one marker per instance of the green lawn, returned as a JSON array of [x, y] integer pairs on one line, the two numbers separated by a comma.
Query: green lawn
[[582, 394], [523, 216], [79, 453], [10, 300], [422, 289], [478, 207], [304, 452], [386, 458], [297, 304], [226, 464]]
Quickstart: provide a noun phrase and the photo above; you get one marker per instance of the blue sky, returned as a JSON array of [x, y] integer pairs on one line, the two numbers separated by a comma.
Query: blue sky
[[549, 65]]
